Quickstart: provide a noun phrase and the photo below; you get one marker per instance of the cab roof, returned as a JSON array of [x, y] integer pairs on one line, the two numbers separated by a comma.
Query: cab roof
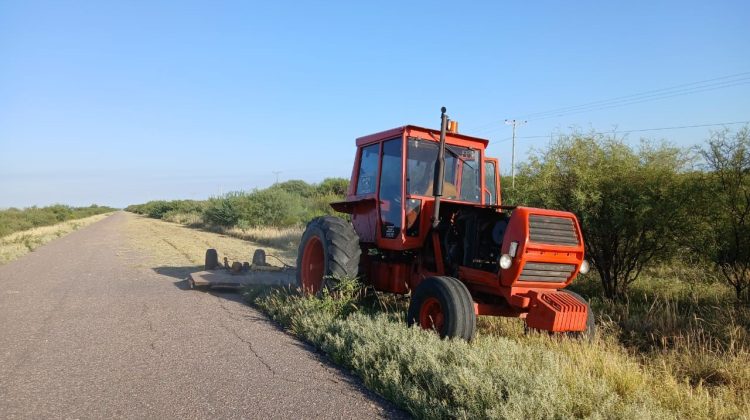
[[415, 131]]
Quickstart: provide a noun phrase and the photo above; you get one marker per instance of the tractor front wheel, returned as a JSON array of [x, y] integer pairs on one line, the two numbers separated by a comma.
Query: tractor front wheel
[[443, 304], [329, 250]]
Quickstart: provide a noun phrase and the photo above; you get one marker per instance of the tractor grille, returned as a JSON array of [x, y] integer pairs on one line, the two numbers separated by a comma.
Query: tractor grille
[[547, 272], [552, 230]]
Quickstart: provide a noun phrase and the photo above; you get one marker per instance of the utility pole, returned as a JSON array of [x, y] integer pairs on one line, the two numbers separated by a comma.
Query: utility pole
[[277, 176], [514, 123]]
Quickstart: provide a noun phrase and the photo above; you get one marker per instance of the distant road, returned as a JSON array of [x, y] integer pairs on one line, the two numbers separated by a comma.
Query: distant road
[[88, 330]]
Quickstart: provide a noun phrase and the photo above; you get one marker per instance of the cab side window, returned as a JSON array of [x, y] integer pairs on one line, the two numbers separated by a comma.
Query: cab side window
[[390, 189], [368, 169], [490, 183]]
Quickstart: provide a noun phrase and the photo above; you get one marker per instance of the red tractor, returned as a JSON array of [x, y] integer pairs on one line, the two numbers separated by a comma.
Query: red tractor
[[426, 218]]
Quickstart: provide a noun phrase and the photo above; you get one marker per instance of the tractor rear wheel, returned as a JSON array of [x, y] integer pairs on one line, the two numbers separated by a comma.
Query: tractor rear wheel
[[590, 318], [443, 304], [329, 251]]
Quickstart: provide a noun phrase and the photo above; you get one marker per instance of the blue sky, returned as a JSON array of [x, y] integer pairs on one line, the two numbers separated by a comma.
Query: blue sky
[[122, 102]]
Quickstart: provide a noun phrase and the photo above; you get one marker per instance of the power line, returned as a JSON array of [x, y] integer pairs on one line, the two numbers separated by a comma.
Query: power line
[[648, 99], [637, 101], [635, 130], [647, 96], [650, 93]]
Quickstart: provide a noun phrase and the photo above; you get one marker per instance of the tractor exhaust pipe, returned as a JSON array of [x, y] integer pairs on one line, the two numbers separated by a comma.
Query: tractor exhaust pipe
[[437, 183]]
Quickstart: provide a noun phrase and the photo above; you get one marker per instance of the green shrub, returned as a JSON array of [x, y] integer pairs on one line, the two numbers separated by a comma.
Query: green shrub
[[271, 207], [222, 211], [287, 204], [333, 186], [631, 202], [295, 187], [723, 211]]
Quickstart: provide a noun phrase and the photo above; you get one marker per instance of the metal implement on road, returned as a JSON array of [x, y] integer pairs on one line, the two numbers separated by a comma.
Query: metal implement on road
[[238, 275]]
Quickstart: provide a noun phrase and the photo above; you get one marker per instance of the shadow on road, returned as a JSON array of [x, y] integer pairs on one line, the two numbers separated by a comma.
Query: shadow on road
[[177, 272], [181, 274]]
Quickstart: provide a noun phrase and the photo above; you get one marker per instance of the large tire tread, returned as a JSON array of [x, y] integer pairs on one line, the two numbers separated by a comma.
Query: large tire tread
[[341, 248], [458, 306]]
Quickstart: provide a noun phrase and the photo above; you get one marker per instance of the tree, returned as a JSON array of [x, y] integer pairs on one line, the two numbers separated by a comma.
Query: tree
[[296, 186], [727, 233], [627, 201], [333, 186]]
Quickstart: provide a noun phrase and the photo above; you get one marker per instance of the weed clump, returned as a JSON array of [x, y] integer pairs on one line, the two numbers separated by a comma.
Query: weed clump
[[514, 376]]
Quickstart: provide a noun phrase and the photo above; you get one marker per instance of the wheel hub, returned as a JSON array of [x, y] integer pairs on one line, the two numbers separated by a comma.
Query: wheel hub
[[313, 265], [431, 315]]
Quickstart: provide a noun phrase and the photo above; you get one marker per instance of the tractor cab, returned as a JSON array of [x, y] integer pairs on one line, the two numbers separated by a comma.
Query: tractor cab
[[391, 195]]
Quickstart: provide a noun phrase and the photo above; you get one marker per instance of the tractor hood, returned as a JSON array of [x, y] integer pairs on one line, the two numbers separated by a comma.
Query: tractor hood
[[546, 248]]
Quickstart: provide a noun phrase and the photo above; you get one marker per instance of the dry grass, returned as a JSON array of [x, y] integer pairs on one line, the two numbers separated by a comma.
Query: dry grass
[[21, 243], [503, 373], [280, 238], [177, 246], [189, 219]]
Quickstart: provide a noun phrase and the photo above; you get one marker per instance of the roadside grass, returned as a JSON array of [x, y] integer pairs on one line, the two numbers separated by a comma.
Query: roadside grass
[[16, 220], [281, 238], [21, 243], [505, 373]]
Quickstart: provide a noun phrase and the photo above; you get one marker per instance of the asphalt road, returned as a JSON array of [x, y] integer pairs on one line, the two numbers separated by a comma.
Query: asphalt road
[[87, 332]]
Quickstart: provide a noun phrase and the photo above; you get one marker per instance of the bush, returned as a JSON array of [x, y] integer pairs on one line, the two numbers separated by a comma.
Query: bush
[[222, 211], [724, 211], [271, 207], [631, 203], [287, 204], [333, 186], [295, 187]]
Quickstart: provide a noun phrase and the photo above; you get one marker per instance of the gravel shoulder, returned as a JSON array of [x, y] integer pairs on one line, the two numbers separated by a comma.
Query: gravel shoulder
[[98, 324]]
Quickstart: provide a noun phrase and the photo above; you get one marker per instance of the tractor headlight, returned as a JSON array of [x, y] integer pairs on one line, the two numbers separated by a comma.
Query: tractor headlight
[[584, 267], [505, 261]]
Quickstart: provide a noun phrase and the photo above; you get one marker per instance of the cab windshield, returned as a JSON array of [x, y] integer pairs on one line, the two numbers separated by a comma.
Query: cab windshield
[[461, 170]]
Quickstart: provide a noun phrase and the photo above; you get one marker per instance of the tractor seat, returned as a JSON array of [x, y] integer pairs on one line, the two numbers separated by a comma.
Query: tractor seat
[[449, 190]]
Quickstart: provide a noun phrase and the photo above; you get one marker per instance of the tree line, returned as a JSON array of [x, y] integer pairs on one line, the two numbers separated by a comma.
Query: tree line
[[15, 219], [285, 204]]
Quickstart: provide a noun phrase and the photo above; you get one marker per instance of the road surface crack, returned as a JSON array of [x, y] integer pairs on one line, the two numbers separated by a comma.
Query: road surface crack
[[151, 329], [248, 343]]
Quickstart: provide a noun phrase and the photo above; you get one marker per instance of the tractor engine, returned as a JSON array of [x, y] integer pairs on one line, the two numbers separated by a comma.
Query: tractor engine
[[472, 237]]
